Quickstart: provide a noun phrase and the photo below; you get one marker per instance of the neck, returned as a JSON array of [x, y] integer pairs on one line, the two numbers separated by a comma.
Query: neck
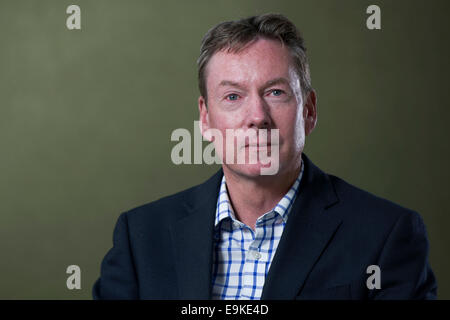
[[251, 197]]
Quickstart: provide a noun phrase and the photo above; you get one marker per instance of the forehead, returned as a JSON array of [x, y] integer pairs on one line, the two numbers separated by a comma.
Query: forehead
[[260, 61]]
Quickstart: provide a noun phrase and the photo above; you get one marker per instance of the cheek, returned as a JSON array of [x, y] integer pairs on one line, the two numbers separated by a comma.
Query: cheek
[[299, 134], [224, 120], [221, 121], [292, 130]]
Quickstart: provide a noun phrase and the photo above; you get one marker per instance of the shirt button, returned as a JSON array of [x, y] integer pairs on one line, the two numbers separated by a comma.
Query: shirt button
[[257, 255], [236, 225]]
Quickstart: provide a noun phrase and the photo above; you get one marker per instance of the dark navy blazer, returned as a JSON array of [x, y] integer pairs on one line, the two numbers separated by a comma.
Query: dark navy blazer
[[163, 250]]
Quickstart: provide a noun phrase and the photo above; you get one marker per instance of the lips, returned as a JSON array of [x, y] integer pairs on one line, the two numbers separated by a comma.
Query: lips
[[258, 143], [261, 145]]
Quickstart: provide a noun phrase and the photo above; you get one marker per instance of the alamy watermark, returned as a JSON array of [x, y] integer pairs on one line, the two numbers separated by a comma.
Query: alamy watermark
[[74, 280], [236, 146], [373, 21], [73, 22]]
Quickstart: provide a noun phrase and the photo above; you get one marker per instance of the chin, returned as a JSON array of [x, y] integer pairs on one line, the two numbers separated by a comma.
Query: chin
[[252, 170]]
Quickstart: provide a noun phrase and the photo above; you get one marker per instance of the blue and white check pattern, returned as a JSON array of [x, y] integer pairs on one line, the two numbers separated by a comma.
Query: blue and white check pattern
[[242, 257]]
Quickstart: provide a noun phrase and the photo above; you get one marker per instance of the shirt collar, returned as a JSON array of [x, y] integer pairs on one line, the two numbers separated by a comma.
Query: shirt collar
[[225, 210]]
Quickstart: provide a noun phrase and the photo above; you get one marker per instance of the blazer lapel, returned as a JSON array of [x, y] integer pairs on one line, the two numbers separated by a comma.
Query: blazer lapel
[[307, 232], [192, 237]]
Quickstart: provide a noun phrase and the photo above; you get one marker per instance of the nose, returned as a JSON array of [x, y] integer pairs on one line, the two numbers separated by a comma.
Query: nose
[[258, 116]]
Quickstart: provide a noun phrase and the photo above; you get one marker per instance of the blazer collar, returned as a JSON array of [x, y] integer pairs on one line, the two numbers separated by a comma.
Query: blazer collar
[[306, 234]]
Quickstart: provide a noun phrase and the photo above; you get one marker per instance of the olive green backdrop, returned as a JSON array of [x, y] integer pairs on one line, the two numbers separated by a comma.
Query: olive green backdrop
[[86, 118]]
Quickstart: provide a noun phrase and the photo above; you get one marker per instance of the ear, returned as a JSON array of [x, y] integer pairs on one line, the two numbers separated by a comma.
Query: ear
[[204, 118], [310, 112]]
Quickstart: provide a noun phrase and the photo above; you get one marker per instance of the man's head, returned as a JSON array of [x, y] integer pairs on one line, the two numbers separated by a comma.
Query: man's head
[[253, 74]]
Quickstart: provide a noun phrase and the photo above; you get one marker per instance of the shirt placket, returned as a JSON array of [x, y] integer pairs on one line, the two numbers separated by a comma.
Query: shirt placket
[[255, 262]]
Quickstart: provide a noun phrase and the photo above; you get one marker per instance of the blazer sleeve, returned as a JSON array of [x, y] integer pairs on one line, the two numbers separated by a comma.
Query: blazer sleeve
[[405, 270], [117, 275]]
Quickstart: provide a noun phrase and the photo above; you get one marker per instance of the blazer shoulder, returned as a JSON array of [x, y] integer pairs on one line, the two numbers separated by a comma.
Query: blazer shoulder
[[368, 205], [166, 208], [175, 206]]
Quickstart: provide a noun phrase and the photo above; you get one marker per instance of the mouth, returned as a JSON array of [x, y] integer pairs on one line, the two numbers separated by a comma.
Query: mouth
[[259, 143], [262, 145], [259, 146]]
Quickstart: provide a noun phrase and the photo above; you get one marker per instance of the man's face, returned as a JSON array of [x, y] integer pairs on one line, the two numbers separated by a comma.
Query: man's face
[[254, 89]]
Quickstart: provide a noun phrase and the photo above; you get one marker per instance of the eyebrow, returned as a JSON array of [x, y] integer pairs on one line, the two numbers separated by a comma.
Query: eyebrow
[[269, 83], [225, 83], [275, 81]]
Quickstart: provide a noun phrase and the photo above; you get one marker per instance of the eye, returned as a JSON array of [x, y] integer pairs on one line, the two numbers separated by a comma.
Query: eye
[[277, 92], [232, 97]]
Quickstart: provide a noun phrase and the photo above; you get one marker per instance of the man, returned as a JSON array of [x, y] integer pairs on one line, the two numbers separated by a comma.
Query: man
[[296, 234]]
